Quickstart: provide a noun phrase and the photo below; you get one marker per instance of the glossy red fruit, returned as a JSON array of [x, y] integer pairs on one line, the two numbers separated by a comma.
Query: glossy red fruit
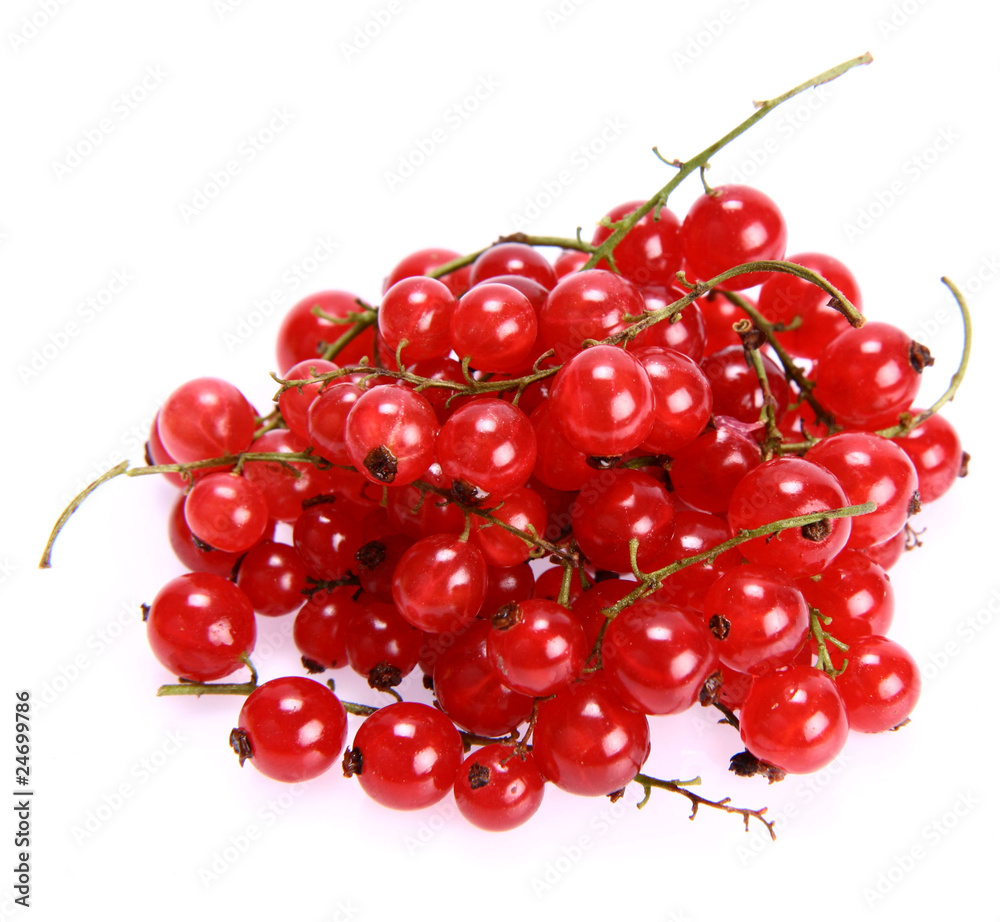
[[682, 399], [273, 576], [294, 402], [406, 756], [423, 262], [498, 788], [288, 485], [417, 310], [390, 433], [729, 226], [327, 537], [880, 686], [650, 253], [321, 626], [587, 742], [657, 658], [794, 718], [512, 259], [936, 453], [305, 335], [536, 646], [855, 592], [524, 510], [867, 377], [557, 463], [439, 583], [291, 729], [377, 635], [683, 332], [614, 507], [226, 511], [705, 472], [736, 392], [200, 625], [602, 402], [195, 554], [871, 469], [205, 418], [469, 689], [157, 454], [785, 488], [758, 616], [495, 326], [487, 448], [591, 304], [783, 297]]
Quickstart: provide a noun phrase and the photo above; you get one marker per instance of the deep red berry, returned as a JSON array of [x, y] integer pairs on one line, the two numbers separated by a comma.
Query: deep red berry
[[498, 788]]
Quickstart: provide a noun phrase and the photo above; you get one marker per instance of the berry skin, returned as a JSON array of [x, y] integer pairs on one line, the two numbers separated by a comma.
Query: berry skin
[[409, 756], [205, 418], [498, 788], [273, 576], [291, 729], [650, 253], [732, 225], [936, 453], [880, 685], [226, 511], [200, 625], [587, 742], [305, 335], [794, 718]]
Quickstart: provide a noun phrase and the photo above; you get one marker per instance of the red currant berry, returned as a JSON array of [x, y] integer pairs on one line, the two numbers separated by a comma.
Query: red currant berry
[[406, 756], [499, 788], [417, 310], [936, 453], [321, 626], [729, 226], [512, 259], [495, 326], [273, 576], [736, 392], [200, 626], [682, 399], [305, 335], [794, 718], [880, 685], [294, 402], [327, 537], [291, 729], [378, 636], [650, 253], [195, 554], [205, 418], [705, 472], [684, 332], [423, 262], [587, 742], [855, 592]]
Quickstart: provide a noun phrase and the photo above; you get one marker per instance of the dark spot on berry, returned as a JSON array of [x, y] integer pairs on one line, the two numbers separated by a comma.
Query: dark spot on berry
[[746, 765], [319, 499], [428, 681], [914, 507], [602, 462], [240, 742], [353, 763], [719, 625], [920, 357], [963, 471], [384, 676], [615, 796], [817, 531], [311, 666], [507, 616], [202, 546], [479, 776], [381, 464], [709, 693], [370, 555], [601, 575]]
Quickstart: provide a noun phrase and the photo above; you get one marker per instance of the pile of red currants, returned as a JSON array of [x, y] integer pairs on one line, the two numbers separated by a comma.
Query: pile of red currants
[[667, 468], [643, 436]]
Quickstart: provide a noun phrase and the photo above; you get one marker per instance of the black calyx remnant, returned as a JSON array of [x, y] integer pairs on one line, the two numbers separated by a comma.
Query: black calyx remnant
[[479, 776], [468, 494], [817, 531], [746, 765], [507, 616], [353, 763], [915, 506], [920, 357], [719, 626], [709, 692], [381, 464], [370, 555], [602, 462], [240, 742], [384, 676], [311, 666]]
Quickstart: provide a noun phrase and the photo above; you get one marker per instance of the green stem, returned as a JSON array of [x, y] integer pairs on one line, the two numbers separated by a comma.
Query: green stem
[[911, 423], [699, 161], [566, 243], [213, 688]]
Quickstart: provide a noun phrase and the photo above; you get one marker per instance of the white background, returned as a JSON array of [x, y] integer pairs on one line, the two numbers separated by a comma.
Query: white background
[[140, 808]]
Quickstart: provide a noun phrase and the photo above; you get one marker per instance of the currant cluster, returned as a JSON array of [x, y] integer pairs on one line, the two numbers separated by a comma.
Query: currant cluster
[[708, 445]]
